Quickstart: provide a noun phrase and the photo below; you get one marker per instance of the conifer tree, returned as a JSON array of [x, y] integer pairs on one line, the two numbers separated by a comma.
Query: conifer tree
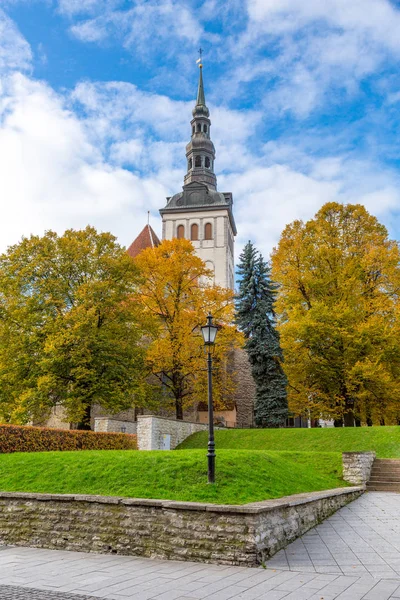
[[256, 318]]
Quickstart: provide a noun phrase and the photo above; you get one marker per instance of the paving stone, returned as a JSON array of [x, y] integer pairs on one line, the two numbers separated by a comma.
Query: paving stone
[[8, 592]]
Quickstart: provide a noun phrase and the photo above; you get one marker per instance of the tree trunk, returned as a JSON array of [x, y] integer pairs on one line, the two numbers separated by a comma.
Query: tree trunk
[[338, 422], [85, 423], [348, 419], [382, 421], [369, 421], [179, 409]]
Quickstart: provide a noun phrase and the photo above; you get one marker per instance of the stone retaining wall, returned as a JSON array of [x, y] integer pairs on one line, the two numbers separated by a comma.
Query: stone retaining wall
[[235, 535], [357, 466], [109, 424], [160, 433]]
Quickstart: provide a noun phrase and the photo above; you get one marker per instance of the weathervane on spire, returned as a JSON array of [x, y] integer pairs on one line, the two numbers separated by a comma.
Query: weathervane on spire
[[199, 61]]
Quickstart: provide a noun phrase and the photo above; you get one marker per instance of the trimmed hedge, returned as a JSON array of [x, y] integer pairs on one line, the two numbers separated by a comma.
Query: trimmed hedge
[[16, 438]]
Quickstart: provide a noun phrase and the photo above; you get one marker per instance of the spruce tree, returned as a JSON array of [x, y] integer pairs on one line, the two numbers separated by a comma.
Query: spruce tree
[[256, 318]]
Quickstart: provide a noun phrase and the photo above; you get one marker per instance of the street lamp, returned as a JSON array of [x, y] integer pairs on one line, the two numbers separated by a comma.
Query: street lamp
[[209, 333]]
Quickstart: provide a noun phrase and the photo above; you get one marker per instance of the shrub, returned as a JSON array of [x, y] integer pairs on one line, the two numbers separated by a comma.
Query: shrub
[[16, 438]]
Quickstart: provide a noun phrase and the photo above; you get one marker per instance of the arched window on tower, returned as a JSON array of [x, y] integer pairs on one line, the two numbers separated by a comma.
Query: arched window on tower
[[197, 161], [180, 232], [207, 162], [198, 126], [190, 164], [193, 129], [205, 128], [208, 231], [194, 232]]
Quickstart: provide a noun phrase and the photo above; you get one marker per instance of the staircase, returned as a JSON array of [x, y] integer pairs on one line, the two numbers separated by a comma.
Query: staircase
[[385, 476]]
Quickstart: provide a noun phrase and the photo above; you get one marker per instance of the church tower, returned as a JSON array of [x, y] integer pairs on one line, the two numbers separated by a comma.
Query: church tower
[[200, 213]]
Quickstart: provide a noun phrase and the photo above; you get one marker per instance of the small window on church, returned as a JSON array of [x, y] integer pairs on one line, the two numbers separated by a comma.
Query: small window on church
[[180, 232], [190, 164], [208, 231], [205, 128], [197, 162], [194, 232], [207, 162], [198, 126], [193, 129]]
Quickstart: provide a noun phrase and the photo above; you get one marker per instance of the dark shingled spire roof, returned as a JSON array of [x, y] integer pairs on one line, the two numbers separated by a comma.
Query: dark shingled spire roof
[[146, 239], [201, 108], [200, 92]]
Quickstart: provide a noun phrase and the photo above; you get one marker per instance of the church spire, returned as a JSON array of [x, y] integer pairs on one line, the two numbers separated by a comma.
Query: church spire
[[201, 109], [200, 92], [200, 151]]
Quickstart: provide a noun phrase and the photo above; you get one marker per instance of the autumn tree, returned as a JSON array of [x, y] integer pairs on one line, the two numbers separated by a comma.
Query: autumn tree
[[338, 307], [69, 334], [176, 294], [255, 315]]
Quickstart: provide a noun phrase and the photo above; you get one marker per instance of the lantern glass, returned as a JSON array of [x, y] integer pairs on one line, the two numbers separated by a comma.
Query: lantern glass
[[209, 332]]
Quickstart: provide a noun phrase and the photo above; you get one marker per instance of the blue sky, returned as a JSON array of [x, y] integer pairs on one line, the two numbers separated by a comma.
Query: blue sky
[[96, 98]]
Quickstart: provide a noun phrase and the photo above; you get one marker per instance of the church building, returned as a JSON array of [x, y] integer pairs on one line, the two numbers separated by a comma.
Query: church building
[[204, 215]]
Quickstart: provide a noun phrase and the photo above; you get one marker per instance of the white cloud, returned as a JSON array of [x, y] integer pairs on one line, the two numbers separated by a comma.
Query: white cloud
[[15, 52], [60, 169], [267, 198], [148, 24], [317, 49], [53, 177], [378, 19], [85, 7]]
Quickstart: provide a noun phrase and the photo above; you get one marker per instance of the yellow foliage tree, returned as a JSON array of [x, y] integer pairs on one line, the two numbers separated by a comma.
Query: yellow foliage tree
[[176, 295], [338, 308]]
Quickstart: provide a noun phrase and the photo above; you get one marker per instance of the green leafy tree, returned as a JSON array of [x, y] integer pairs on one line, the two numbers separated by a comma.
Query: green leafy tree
[[256, 318], [69, 334]]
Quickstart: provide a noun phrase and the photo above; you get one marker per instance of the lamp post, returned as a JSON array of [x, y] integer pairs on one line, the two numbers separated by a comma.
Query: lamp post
[[209, 333]]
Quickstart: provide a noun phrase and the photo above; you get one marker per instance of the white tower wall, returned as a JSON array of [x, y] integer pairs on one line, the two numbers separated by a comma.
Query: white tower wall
[[217, 253]]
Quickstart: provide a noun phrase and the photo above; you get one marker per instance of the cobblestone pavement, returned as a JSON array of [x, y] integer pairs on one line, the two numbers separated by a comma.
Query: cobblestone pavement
[[354, 555]]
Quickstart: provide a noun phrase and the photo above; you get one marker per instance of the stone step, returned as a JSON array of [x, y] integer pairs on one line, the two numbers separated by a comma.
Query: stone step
[[383, 487], [380, 479], [387, 468], [385, 474]]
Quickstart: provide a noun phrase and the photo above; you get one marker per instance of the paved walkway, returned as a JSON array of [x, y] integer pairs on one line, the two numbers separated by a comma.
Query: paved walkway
[[353, 555]]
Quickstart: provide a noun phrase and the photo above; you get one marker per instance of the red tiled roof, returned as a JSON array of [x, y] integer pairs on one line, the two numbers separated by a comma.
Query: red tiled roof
[[146, 239]]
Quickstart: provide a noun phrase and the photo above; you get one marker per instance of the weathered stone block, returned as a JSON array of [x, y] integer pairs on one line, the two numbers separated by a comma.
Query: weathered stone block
[[357, 466]]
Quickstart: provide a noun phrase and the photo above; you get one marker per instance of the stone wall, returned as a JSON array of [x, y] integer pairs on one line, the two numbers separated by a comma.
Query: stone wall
[[245, 392], [234, 535], [159, 433], [109, 424], [357, 466]]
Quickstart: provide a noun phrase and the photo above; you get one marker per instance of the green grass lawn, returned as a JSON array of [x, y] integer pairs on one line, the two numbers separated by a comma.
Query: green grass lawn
[[242, 475], [385, 441]]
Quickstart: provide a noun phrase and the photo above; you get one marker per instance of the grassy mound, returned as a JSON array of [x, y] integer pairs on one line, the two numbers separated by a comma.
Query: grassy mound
[[242, 475], [385, 441]]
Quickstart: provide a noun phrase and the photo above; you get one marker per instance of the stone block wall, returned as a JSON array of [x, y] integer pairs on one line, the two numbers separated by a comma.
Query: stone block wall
[[159, 433], [357, 466], [245, 392], [108, 424], [234, 535]]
